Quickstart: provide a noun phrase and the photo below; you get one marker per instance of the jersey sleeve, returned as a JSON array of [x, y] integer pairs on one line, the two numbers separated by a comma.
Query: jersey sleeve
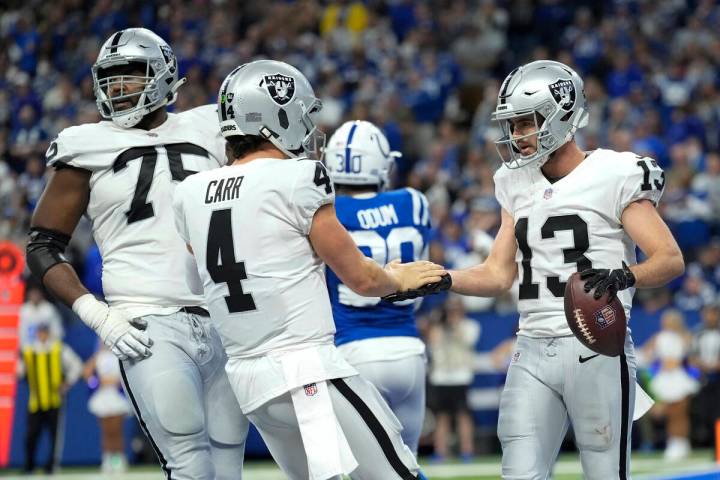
[[83, 146], [642, 179], [179, 213], [59, 153], [421, 209], [501, 194], [206, 117], [312, 189]]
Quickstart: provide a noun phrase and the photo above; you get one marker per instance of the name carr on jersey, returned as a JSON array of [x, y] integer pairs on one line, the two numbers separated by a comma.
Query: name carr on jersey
[[223, 189]]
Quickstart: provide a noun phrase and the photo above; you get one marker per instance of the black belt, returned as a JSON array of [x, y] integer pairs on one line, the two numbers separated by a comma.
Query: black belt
[[196, 311]]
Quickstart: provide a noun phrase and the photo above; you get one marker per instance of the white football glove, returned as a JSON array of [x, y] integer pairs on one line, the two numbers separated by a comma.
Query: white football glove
[[120, 332]]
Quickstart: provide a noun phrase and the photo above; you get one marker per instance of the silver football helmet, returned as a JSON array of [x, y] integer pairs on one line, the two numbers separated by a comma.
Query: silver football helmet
[[553, 95], [272, 100], [358, 153], [160, 80]]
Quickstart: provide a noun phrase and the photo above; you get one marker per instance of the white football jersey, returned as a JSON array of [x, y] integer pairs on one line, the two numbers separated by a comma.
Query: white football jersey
[[134, 174], [571, 225], [248, 226]]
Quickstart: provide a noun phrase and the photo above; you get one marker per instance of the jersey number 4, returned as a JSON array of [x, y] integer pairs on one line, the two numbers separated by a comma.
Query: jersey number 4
[[576, 254], [221, 263], [140, 208]]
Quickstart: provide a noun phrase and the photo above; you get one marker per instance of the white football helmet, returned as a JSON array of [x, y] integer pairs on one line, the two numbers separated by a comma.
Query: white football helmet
[[272, 100], [359, 154], [154, 55], [554, 95]]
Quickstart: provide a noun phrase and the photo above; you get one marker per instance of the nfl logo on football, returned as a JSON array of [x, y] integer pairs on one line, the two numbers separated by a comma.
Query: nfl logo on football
[[310, 389], [605, 317]]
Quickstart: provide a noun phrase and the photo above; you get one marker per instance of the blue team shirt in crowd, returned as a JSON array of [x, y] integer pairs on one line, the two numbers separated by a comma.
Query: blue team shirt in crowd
[[390, 225]]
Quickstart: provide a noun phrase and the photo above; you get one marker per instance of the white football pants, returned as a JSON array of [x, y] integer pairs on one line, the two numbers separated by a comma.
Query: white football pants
[[555, 382], [368, 424], [401, 382], [183, 400]]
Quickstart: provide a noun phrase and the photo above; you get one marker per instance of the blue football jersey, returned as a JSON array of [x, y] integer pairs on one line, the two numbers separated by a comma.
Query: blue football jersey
[[390, 225]]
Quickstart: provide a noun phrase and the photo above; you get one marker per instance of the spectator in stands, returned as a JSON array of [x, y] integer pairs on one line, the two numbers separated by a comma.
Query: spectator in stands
[[31, 183], [37, 312], [705, 355], [109, 405], [671, 384], [706, 185], [696, 291], [28, 138], [650, 68], [452, 348], [51, 368]]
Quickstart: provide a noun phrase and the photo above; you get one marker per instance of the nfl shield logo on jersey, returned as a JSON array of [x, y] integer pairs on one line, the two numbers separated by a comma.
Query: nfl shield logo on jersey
[[563, 91], [605, 317], [280, 87], [310, 389], [548, 193]]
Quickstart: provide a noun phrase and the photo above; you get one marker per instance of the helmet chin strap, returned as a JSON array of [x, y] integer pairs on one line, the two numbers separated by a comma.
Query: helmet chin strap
[[268, 135]]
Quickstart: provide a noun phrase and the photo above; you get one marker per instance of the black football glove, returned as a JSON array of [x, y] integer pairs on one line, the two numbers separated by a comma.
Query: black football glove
[[431, 288], [606, 280]]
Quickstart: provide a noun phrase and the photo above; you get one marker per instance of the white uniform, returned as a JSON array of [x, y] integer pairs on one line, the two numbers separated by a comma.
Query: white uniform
[[248, 226], [562, 227], [134, 174]]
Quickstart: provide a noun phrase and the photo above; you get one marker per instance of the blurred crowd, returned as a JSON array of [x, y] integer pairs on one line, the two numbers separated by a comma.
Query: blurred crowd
[[427, 73]]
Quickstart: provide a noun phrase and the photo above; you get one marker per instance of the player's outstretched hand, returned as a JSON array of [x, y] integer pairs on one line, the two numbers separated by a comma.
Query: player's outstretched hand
[[417, 279]]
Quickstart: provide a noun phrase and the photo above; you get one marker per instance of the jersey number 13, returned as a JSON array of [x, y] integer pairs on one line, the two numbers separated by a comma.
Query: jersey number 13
[[575, 254]]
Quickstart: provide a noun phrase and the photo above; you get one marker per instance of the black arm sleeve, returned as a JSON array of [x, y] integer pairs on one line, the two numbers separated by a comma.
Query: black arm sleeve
[[45, 250]]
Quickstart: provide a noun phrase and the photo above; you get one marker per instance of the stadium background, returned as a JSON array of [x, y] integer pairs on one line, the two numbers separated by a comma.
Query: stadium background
[[428, 74]]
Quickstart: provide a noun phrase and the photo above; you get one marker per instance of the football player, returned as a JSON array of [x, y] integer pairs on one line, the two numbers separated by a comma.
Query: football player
[[261, 230], [121, 172], [566, 210], [376, 337]]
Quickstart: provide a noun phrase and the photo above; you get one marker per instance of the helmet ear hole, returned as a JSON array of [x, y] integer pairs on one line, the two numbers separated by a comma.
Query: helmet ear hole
[[283, 118]]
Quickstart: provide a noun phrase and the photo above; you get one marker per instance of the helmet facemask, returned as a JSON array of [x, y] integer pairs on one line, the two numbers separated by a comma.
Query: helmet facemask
[[148, 98], [546, 143], [552, 93], [314, 142]]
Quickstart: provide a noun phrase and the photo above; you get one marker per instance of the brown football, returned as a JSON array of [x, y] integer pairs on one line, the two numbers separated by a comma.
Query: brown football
[[600, 325]]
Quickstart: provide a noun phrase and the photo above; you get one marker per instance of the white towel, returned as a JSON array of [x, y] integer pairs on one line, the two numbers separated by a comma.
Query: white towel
[[643, 402], [326, 447]]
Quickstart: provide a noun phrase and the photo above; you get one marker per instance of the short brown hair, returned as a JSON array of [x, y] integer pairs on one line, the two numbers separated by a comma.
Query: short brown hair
[[240, 145]]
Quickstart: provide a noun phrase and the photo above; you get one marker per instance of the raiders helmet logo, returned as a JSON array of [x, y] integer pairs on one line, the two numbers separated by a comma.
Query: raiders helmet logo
[[563, 91], [280, 87]]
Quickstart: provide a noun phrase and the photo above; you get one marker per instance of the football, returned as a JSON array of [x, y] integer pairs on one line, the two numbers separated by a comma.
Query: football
[[600, 325]]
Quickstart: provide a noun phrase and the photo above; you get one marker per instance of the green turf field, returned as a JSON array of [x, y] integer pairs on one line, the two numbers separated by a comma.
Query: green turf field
[[645, 467]]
